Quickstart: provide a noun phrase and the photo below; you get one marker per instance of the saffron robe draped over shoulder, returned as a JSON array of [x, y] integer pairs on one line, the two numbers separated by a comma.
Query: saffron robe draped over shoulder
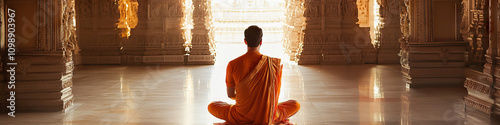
[[257, 96]]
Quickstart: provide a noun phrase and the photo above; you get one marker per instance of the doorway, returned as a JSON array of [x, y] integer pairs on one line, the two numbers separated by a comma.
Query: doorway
[[232, 17]]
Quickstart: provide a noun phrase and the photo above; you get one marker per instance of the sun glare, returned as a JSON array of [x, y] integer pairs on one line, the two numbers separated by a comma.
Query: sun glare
[[232, 17], [376, 23], [128, 16]]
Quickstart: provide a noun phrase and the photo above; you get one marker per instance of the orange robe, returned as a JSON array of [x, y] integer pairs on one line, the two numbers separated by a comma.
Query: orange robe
[[257, 81]]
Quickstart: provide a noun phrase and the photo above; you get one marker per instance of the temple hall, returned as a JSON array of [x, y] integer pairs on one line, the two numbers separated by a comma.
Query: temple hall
[[166, 62]]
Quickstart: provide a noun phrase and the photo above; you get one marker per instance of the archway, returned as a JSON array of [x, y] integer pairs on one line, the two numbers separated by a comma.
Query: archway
[[232, 17]]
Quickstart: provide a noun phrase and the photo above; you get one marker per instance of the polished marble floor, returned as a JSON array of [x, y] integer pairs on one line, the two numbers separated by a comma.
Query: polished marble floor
[[344, 94], [179, 95]]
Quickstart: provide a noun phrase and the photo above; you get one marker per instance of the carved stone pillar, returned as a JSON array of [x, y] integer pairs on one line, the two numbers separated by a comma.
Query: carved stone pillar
[[332, 35], [311, 47], [338, 45], [293, 35], [432, 54], [388, 32], [164, 39], [494, 36], [473, 30], [480, 35], [344, 41], [44, 60], [203, 43], [481, 84]]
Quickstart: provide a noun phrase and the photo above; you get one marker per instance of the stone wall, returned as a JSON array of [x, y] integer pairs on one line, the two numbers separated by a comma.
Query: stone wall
[[315, 32]]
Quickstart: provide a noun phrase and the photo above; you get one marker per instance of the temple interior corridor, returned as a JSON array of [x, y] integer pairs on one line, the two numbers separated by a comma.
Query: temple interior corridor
[[329, 95], [347, 62]]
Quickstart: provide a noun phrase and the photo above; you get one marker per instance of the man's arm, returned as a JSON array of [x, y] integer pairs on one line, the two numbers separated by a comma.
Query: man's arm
[[231, 93]]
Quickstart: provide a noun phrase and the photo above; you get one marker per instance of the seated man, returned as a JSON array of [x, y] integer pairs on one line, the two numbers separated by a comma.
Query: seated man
[[254, 81]]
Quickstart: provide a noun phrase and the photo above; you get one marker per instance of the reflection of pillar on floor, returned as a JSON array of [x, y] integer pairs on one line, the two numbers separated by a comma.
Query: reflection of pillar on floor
[[203, 43], [405, 109], [44, 70]]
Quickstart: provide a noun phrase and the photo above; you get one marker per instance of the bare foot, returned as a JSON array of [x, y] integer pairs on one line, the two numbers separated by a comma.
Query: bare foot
[[285, 122]]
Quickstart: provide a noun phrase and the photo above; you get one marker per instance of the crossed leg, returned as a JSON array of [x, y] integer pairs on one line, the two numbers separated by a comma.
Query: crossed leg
[[285, 110]]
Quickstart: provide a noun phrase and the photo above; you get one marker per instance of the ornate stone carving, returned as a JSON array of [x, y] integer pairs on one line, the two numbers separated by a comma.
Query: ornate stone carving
[[86, 7], [478, 104], [391, 8], [45, 71], [363, 12], [416, 46], [174, 9], [475, 19], [312, 9], [69, 43], [405, 29], [481, 88], [464, 23], [293, 35], [349, 8], [187, 24], [420, 20], [156, 9], [45, 23], [333, 9]]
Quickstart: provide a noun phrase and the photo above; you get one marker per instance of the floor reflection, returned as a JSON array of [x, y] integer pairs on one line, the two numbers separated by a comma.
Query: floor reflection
[[345, 94], [373, 93]]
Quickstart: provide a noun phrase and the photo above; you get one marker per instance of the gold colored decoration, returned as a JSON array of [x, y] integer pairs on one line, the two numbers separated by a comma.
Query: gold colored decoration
[[128, 16]]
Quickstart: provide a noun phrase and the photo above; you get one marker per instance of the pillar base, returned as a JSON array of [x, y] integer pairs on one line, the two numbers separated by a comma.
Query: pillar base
[[43, 83], [434, 64], [99, 60], [310, 59], [200, 59]]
